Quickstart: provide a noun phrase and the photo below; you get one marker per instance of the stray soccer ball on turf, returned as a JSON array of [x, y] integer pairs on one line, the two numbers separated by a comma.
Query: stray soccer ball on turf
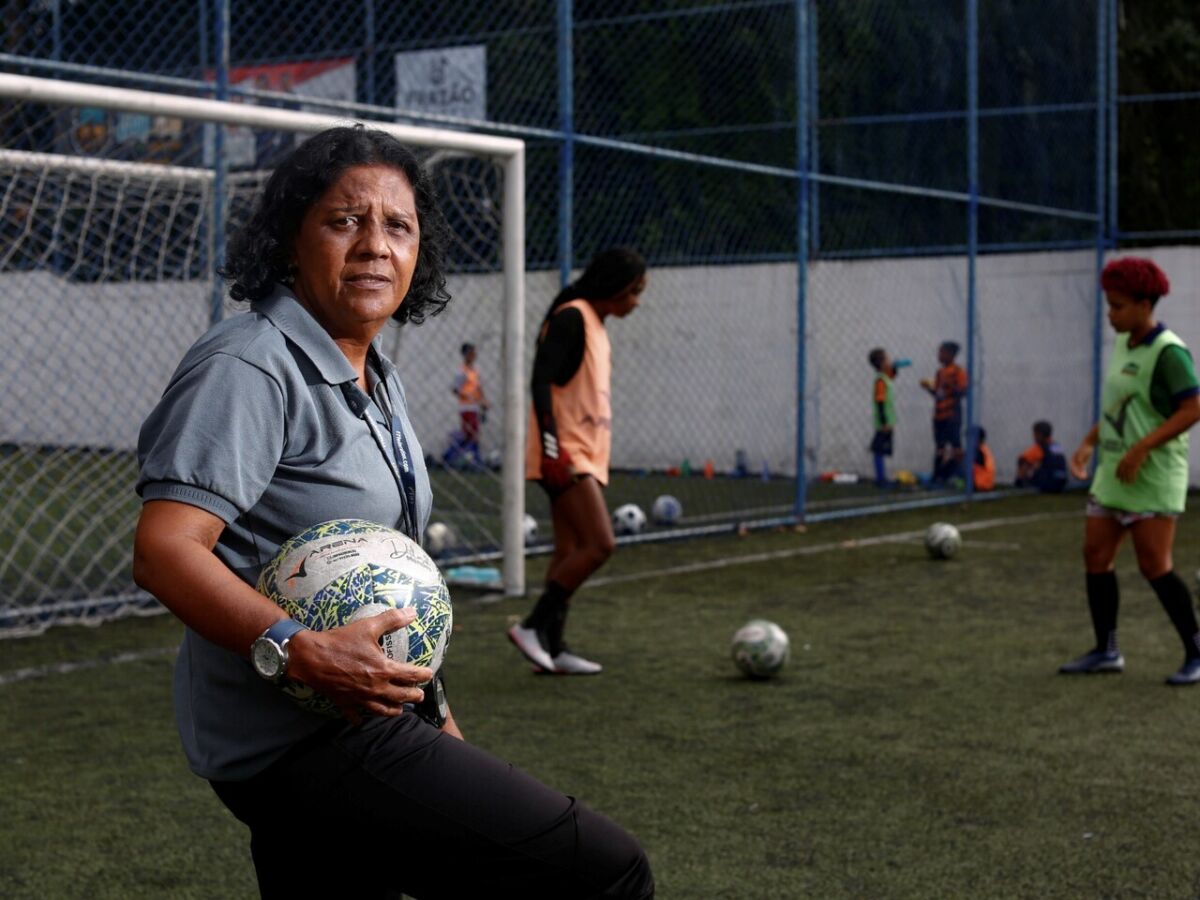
[[942, 540], [759, 648]]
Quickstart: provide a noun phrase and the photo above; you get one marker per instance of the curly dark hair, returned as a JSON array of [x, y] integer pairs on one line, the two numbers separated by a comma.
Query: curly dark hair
[[259, 253]]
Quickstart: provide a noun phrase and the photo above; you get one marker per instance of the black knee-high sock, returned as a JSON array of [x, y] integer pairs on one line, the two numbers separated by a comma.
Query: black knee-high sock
[[1176, 599], [549, 616], [1103, 601]]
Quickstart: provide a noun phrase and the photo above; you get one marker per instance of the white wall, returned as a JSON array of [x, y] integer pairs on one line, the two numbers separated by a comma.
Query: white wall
[[705, 367]]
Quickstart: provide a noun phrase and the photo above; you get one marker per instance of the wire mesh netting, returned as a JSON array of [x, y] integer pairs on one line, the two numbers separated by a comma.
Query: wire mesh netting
[[959, 184]]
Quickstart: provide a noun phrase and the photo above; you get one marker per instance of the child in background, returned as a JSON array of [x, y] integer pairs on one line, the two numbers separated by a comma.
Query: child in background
[[948, 388], [984, 470], [1043, 465], [884, 410]]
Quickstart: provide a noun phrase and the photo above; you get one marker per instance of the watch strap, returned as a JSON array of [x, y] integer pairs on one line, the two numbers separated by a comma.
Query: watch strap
[[283, 630]]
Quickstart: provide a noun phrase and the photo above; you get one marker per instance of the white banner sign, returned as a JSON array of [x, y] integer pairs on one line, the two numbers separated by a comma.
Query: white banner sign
[[451, 81]]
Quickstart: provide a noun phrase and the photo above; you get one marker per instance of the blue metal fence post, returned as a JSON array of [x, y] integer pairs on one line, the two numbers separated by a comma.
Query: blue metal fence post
[[566, 150], [1112, 76], [802, 171], [1102, 223], [369, 25], [220, 164], [972, 236], [814, 112]]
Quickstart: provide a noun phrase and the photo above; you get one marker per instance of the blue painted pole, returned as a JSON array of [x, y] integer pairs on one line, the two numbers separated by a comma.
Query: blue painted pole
[[566, 150], [56, 30], [814, 112], [972, 236], [220, 163], [1102, 142], [369, 25], [802, 213], [1112, 75]]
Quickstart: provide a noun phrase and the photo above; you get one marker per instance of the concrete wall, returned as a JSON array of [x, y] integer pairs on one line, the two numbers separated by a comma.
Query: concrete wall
[[706, 366]]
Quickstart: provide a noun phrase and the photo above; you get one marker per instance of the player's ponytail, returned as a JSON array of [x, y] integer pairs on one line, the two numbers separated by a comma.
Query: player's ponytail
[[609, 273]]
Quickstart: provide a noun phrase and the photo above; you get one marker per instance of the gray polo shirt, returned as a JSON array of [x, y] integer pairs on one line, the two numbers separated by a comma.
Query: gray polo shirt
[[262, 425]]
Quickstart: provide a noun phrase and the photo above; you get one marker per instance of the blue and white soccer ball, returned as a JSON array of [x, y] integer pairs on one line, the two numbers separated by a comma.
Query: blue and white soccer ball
[[529, 528], [942, 540], [760, 648], [628, 519], [344, 570], [666, 510]]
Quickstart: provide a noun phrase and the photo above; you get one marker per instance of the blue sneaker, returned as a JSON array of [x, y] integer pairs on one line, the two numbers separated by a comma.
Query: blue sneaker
[[1189, 674], [1094, 662]]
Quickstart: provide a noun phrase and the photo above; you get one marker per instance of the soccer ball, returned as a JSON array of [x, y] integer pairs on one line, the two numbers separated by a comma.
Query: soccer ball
[[628, 519], [666, 510], [760, 648], [530, 528], [344, 570], [439, 537], [942, 540]]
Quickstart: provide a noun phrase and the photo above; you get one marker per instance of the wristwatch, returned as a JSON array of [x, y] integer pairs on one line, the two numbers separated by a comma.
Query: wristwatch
[[269, 652], [434, 708]]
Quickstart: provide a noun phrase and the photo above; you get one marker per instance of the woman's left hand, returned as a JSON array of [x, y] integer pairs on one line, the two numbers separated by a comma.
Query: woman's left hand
[[1127, 468]]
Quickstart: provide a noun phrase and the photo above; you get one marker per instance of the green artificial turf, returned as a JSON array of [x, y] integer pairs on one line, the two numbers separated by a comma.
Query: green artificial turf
[[918, 744]]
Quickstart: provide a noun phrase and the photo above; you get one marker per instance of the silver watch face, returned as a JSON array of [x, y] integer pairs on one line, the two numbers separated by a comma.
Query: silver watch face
[[267, 658]]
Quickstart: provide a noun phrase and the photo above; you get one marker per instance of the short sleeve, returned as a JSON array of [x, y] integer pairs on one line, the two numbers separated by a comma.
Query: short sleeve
[[880, 391], [215, 438], [1176, 373]]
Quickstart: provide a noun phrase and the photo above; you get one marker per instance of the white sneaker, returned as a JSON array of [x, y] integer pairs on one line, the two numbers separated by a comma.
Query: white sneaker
[[567, 663], [526, 640]]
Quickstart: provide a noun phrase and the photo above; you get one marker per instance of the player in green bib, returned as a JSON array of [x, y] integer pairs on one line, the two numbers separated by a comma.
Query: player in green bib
[[1149, 401]]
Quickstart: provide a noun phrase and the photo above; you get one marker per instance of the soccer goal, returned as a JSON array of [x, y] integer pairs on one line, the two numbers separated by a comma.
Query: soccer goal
[[107, 275]]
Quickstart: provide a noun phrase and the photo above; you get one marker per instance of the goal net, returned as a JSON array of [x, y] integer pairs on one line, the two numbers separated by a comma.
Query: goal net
[[107, 277]]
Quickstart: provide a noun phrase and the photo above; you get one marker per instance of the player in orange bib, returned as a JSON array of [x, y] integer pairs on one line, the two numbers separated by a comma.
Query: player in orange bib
[[570, 436]]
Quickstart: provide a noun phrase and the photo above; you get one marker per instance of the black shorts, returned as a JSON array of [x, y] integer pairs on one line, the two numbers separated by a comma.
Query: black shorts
[[393, 806], [881, 444]]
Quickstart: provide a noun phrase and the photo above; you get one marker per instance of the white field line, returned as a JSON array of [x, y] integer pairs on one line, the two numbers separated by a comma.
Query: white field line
[[68, 667], [899, 537]]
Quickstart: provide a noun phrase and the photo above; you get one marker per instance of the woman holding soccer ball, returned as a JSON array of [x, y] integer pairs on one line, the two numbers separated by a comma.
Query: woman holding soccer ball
[[291, 415], [570, 434], [1150, 399]]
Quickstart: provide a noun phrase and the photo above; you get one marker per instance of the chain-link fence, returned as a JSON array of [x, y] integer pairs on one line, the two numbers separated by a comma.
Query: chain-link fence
[[808, 181]]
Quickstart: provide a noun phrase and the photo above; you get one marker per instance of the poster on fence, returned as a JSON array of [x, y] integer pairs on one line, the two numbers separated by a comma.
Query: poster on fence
[[249, 148], [451, 81]]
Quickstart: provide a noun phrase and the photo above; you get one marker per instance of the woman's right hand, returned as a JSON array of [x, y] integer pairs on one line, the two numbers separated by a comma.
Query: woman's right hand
[[348, 666], [1080, 460]]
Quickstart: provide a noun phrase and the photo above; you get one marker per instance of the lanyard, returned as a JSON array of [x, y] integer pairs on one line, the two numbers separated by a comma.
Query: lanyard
[[398, 456]]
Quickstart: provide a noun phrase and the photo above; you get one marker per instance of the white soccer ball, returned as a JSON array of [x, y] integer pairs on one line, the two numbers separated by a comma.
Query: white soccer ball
[[439, 537], [666, 510], [942, 540], [628, 519], [344, 570], [760, 648], [530, 527]]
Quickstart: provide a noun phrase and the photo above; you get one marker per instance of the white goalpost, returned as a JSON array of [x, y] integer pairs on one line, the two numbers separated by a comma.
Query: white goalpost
[[107, 274]]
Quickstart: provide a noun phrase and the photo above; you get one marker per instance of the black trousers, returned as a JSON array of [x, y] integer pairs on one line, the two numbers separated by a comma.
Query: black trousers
[[394, 806]]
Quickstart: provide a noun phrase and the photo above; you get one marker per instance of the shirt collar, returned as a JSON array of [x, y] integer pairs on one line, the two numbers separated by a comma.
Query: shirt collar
[[297, 324], [1151, 336]]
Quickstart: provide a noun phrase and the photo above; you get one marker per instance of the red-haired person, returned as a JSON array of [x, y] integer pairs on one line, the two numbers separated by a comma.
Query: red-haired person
[[1150, 399], [570, 436]]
